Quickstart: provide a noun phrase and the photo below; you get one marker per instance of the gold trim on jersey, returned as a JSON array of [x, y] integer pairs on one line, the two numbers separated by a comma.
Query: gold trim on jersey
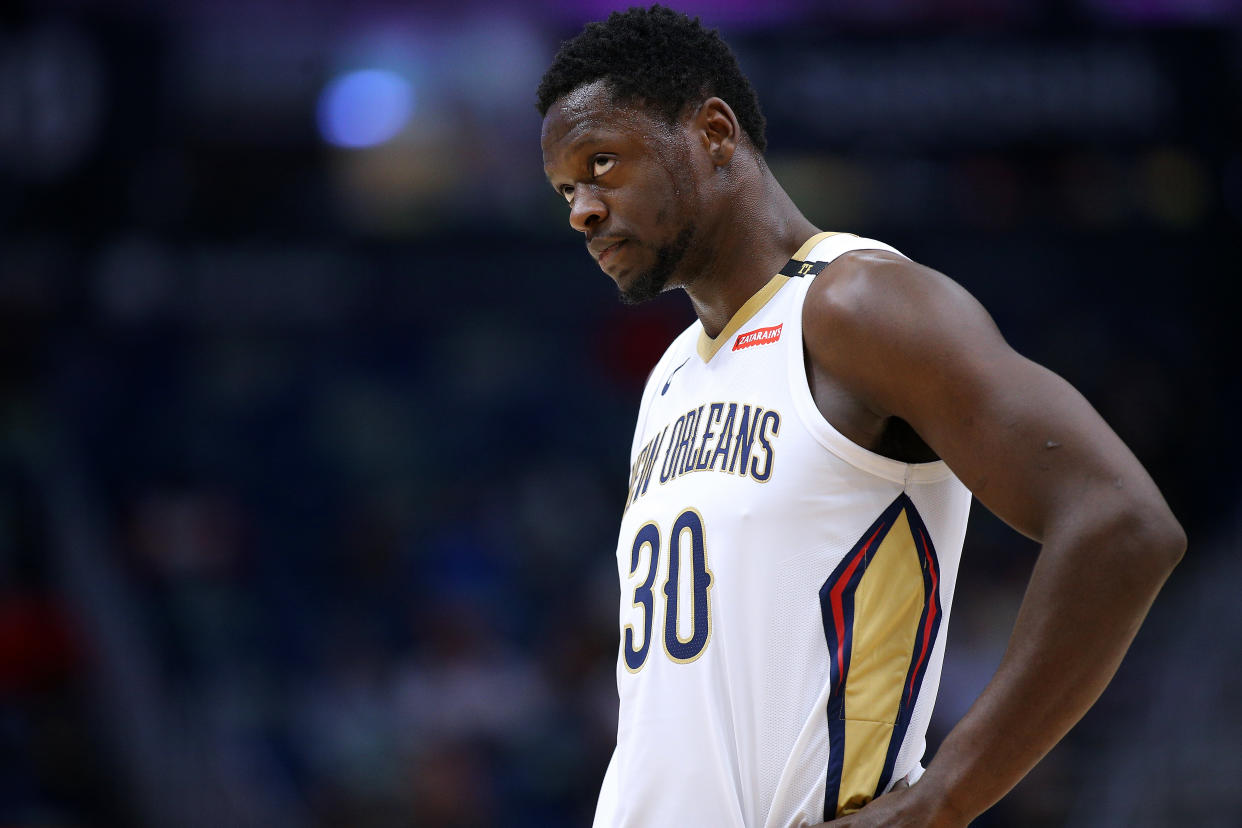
[[707, 346], [888, 604]]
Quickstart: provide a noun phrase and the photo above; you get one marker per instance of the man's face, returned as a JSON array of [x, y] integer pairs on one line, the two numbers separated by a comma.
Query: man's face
[[630, 182]]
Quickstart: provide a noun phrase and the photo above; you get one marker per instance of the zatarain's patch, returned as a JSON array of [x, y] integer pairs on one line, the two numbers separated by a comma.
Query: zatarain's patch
[[759, 336]]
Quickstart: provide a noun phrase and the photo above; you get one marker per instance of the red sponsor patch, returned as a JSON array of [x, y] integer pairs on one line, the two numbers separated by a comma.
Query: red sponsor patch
[[759, 336]]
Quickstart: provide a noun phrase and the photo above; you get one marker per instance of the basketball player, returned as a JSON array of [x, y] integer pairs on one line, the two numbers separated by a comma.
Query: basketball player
[[802, 468]]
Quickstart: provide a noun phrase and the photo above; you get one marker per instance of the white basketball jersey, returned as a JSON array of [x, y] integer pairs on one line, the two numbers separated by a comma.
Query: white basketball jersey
[[785, 593]]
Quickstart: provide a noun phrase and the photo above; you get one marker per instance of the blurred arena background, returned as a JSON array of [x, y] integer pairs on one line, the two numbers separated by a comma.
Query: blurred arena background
[[314, 414]]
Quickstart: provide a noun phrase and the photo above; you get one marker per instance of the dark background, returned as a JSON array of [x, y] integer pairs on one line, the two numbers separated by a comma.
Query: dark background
[[312, 456]]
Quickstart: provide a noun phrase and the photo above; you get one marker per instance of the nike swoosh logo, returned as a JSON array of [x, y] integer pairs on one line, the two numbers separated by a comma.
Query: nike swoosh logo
[[664, 390]]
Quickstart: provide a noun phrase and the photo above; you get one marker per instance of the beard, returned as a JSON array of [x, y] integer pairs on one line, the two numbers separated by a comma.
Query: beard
[[654, 281]]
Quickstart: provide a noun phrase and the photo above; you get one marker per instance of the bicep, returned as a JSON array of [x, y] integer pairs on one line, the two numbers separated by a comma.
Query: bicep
[[1025, 442]]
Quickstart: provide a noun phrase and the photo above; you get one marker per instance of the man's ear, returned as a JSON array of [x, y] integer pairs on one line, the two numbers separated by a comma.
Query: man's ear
[[719, 130]]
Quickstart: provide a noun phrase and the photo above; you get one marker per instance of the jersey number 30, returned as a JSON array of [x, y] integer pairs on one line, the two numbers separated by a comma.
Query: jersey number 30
[[686, 539]]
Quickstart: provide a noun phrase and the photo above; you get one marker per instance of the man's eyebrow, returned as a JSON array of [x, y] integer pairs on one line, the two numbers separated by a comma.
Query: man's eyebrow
[[584, 142], [587, 140]]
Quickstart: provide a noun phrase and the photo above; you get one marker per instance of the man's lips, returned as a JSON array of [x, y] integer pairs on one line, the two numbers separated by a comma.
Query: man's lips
[[604, 252]]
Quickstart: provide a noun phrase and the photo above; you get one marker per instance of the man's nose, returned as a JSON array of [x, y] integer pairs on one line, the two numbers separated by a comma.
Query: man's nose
[[586, 210]]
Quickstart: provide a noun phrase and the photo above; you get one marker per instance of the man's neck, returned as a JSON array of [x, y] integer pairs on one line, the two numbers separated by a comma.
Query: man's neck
[[750, 247]]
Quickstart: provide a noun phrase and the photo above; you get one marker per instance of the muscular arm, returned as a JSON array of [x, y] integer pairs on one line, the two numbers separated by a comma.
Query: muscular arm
[[908, 342]]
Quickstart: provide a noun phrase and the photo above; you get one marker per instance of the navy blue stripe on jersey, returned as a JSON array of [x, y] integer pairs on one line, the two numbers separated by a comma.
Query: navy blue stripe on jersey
[[836, 602]]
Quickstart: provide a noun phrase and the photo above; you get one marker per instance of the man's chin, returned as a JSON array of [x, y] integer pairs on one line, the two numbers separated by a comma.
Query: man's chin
[[644, 288], [658, 278]]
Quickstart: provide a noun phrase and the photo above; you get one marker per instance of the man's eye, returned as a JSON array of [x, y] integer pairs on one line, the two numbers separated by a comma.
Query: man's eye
[[567, 190], [602, 165]]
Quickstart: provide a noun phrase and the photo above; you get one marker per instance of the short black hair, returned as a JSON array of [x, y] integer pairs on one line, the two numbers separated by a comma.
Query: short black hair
[[658, 58]]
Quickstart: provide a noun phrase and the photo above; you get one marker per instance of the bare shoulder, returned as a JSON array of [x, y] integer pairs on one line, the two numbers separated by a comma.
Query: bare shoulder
[[876, 288], [876, 320], [909, 342]]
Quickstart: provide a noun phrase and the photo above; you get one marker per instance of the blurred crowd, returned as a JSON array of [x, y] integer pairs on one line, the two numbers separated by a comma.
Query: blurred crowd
[[315, 417]]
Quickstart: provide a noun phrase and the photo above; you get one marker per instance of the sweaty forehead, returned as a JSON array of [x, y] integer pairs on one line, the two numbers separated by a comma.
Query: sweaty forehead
[[587, 111], [590, 100]]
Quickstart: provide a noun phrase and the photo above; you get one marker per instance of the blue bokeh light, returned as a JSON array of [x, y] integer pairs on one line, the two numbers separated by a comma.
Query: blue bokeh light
[[364, 108]]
